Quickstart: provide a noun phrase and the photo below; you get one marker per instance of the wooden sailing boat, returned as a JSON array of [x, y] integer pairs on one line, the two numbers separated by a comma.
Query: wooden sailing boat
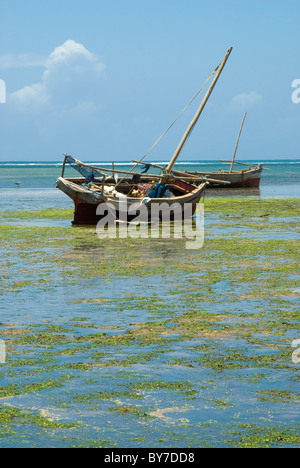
[[126, 196], [248, 177]]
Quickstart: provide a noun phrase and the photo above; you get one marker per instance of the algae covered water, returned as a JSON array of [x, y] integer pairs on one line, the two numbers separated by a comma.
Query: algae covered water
[[140, 342]]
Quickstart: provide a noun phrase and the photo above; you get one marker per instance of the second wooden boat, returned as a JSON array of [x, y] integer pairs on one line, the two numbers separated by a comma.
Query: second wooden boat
[[249, 177]]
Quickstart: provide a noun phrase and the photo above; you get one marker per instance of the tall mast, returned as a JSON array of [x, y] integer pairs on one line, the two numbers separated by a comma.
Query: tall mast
[[237, 143], [198, 113]]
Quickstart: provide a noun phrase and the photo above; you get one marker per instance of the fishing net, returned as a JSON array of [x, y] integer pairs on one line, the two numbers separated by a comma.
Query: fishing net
[[88, 172]]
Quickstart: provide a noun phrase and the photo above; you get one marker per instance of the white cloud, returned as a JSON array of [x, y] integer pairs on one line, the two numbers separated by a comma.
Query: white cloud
[[71, 76], [21, 61], [72, 58], [86, 107], [35, 94], [246, 100], [67, 52]]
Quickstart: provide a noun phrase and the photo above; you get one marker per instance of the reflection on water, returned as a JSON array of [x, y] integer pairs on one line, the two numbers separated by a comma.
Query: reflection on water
[[233, 192], [265, 191], [33, 199]]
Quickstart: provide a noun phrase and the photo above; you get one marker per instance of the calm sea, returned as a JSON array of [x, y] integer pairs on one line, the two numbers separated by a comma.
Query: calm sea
[[32, 185]]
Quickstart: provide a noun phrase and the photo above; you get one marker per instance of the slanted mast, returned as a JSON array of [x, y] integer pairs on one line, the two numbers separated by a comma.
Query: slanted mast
[[198, 113]]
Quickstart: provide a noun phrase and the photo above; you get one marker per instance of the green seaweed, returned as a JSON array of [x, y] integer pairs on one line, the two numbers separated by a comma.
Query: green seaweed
[[115, 322]]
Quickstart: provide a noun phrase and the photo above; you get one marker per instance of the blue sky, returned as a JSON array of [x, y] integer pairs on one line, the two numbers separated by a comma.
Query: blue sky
[[102, 80]]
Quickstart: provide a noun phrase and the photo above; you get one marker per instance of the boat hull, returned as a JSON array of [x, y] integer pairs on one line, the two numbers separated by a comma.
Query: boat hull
[[90, 207], [247, 178]]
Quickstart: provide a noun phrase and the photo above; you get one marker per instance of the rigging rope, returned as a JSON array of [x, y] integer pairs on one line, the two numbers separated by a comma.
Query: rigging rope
[[198, 92], [185, 108]]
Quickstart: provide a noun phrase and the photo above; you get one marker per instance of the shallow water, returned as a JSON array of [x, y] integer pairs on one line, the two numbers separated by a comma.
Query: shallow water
[[22, 199], [142, 343]]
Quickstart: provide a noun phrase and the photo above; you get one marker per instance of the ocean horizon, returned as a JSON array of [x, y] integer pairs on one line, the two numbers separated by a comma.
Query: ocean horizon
[[201, 162]]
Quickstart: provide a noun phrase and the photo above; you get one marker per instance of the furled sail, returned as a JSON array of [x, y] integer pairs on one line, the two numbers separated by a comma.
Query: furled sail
[[88, 172]]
